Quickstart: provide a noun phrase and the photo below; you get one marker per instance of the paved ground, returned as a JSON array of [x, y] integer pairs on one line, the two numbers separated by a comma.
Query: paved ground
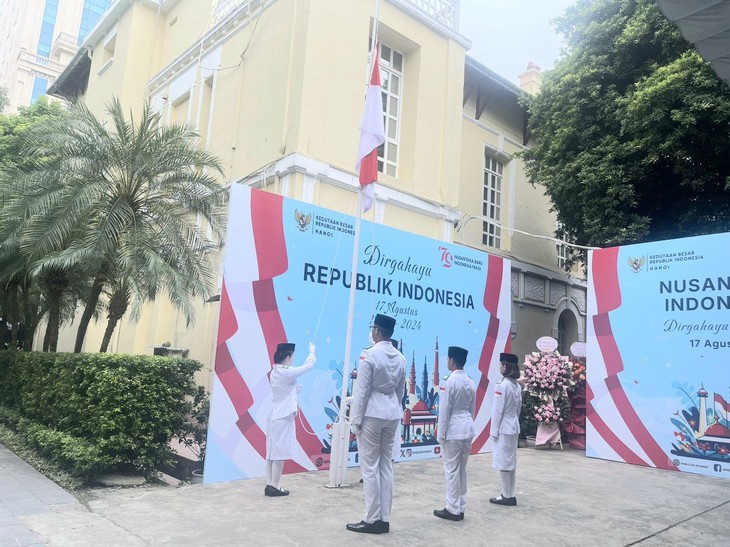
[[564, 499]]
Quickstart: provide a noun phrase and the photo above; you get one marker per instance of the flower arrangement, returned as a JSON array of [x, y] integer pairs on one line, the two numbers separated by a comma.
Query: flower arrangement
[[547, 378], [547, 413], [548, 373], [579, 375]]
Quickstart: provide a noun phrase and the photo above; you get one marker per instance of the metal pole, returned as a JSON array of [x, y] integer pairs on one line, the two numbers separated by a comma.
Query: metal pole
[[340, 447]]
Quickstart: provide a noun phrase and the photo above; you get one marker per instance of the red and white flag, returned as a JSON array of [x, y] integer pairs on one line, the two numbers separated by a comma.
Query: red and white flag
[[372, 135], [722, 407]]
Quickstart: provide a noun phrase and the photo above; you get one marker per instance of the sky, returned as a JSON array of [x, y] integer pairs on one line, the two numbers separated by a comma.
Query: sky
[[507, 34]]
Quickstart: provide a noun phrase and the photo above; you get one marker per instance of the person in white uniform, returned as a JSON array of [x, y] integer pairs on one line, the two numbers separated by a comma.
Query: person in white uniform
[[506, 427], [376, 418], [281, 433], [457, 404]]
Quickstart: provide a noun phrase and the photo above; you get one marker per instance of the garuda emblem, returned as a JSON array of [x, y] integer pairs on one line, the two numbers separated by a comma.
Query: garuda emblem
[[302, 219], [636, 264]]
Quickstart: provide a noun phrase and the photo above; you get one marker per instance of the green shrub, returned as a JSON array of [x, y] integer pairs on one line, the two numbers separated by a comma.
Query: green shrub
[[97, 412]]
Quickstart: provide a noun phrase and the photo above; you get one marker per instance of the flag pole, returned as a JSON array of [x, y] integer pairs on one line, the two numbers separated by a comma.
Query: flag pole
[[340, 447]]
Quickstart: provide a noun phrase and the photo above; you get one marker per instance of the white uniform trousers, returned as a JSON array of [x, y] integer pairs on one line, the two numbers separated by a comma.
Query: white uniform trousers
[[455, 455], [375, 444]]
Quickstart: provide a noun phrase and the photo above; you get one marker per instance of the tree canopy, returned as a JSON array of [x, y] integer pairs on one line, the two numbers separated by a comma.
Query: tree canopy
[[631, 129], [4, 99], [124, 204]]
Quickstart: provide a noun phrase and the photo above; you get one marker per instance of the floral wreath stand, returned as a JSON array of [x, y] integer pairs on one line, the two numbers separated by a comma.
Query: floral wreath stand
[[548, 435]]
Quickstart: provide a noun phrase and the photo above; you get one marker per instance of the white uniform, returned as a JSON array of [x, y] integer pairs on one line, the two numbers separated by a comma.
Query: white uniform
[[281, 433], [457, 404], [506, 424], [377, 411]]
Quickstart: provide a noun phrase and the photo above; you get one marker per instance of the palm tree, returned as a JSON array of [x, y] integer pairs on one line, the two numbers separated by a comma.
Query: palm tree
[[132, 203], [20, 287]]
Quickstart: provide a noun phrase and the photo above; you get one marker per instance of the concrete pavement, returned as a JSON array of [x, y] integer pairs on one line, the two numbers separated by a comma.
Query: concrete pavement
[[25, 492], [564, 499]]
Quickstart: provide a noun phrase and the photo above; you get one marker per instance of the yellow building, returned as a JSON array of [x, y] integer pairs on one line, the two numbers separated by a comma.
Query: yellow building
[[276, 90]]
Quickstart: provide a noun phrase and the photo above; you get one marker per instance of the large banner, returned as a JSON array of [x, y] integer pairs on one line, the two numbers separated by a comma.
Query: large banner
[[659, 355], [287, 278]]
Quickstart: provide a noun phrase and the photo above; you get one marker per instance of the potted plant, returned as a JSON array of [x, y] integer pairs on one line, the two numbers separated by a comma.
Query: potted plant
[[195, 432]]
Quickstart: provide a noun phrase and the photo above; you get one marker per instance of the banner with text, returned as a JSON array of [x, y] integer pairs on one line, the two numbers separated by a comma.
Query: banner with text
[[286, 278], [659, 355]]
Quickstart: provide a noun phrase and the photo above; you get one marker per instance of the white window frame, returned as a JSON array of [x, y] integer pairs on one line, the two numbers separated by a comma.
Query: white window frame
[[492, 199], [389, 152]]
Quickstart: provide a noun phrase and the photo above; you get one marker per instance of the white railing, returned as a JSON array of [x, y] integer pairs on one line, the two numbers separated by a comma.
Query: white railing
[[224, 7], [445, 12], [66, 37], [40, 61]]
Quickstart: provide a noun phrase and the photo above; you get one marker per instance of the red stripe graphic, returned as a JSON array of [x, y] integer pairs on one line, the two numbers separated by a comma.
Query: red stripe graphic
[[614, 365], [605, 279], [231, 379], [268, 230], [491, 304], [624, 452], [609, 349], [494, 284], [268, 233], [225, 368], [636, 426]]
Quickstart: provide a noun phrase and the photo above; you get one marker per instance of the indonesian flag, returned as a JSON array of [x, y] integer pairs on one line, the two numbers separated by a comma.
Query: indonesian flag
[[721, 406], [372, 135]]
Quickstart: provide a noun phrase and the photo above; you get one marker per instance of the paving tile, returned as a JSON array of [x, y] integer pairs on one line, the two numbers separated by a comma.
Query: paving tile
[[31, 506], [16, 535], [14, 491], [7, 518]]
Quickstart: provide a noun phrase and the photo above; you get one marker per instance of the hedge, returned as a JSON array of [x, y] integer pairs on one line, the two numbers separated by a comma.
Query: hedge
[[95, 413]]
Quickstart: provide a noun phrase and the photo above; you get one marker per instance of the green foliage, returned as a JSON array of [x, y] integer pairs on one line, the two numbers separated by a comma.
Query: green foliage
[[18, 443], [195, 432], [127, 198], [15, 129], [631, 129], [21, 296], [94, 413], [528, 423]]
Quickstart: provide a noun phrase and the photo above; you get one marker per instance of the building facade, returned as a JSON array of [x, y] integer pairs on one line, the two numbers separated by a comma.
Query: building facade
[[275, 89], [38, 38]]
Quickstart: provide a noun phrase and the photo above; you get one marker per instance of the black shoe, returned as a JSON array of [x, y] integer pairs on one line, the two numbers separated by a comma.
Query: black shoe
[[461, 516], [274, 492], [384, 527], [445, 514], [501, 500], [363, 527]]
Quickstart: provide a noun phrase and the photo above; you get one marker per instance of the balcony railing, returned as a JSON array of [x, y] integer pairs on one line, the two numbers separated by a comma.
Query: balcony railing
[[66, 37], [445, 12], [39, 60]]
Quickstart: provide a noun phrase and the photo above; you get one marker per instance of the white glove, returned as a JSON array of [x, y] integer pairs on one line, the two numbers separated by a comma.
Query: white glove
[[312, 348], [356, 429]]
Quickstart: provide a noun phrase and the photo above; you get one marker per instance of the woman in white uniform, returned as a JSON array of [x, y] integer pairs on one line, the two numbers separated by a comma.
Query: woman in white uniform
[[281, 433], [506, 427]]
